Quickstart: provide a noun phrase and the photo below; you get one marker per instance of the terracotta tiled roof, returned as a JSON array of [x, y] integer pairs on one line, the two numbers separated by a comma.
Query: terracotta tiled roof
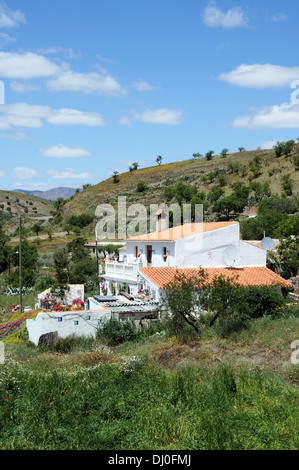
[[248, 276], [181, 231]]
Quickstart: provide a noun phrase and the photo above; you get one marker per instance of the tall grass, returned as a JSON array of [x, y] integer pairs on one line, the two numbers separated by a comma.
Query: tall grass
[[105, 407]]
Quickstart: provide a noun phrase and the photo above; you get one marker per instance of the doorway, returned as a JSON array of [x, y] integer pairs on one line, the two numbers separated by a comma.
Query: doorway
[[149, 252]]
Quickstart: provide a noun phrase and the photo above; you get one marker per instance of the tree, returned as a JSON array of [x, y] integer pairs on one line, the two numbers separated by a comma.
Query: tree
[[296, 162], [49, 231], [115, 177], [141, 187], [241, 149], [287, 184], [181, 295], [159, 159], [67, 228], [220, 297], [224, 152], [197, 155], [232, 203], [134, 166], [29, 265], [61, 264], [288, 147], [58, 203], [4, 238], [181, 192], [209, 154], [36, 228], [4, 258], [278, 149], [77, 249], [187, 296]]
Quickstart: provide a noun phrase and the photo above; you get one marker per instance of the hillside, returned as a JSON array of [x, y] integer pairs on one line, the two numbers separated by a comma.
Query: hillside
[[235, 167], [24, 204]]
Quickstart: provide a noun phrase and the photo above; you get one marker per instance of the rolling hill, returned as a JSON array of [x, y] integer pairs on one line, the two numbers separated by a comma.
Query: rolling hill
[[24, 204], [236, 167]]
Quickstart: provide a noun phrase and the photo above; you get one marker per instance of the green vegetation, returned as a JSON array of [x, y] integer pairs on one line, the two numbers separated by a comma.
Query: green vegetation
[[222, 380], [181, 392]]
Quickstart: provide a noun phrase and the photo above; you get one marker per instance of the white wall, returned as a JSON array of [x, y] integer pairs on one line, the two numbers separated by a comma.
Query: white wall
[[49, 322], [206, 249], [157, 256], [252, 255]]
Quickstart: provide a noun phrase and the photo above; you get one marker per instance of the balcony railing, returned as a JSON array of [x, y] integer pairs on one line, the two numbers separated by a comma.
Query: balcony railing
[[121, 271]]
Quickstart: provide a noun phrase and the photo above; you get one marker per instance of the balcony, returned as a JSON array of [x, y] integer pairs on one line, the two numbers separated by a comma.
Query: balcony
[[121, 272]]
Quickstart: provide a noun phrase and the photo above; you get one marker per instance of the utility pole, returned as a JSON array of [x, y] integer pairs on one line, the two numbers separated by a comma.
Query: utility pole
[[20, 262]]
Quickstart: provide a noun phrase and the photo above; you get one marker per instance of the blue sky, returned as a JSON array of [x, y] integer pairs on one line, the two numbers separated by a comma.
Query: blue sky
[[92, 86]]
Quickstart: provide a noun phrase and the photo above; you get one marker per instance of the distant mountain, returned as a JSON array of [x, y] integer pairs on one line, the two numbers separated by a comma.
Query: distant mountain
[[51, 194]]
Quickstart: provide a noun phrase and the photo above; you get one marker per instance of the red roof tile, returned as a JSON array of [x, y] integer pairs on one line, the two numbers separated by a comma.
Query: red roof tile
[[248, 276], [181, 231]]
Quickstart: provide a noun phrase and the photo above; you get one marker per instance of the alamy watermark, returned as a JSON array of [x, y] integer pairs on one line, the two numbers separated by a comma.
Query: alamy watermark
[[2, 93], [2, 355], [295, 354], [294, 99], [123, 222]]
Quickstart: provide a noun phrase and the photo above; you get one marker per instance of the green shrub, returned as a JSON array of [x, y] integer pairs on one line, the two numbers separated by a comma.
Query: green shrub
[[258, 301], [115, 332]]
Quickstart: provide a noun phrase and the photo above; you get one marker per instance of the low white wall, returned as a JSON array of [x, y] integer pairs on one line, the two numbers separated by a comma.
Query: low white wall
[[76, 323]]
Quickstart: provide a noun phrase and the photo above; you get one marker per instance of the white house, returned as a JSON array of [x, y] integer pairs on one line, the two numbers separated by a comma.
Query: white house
[[65, 324], [208, 245]]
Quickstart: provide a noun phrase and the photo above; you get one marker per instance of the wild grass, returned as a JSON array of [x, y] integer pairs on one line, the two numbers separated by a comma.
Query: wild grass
[[163, 392], [144, 407]]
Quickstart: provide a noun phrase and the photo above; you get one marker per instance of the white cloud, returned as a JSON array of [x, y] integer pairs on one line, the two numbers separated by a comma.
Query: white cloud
[[22, 115], [279, 17], [69, 173], [214, 18], [23, 173], [22, 87], [2, 174], [125, 121], [10, 18], [284, 116], [29, 65], [100, 84], [69, 53], [71, 117], [37, 186], [15, 136], [142, 85], [6, 39], [268, 144], [171, 117], [61, 151], [26, 66], [33, 116], [261, 76]]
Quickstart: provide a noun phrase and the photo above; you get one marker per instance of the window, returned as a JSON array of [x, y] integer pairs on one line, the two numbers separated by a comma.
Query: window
[[164, 254], [76, 322], [136, 251], [87, 317], [59, 318]]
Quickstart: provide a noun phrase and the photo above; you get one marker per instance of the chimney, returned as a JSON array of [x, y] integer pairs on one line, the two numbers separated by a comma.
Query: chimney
[[161, 220]]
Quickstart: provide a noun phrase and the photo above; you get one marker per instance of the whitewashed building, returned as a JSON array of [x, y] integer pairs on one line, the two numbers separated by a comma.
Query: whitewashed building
[[66, 324], [208, 245]]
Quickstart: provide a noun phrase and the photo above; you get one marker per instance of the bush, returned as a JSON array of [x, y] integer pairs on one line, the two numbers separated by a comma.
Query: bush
[[262, 300], [115, 332]]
